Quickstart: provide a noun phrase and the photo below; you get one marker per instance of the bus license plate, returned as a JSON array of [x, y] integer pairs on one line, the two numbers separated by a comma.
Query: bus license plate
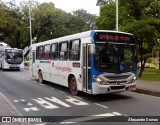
[[14, 66]]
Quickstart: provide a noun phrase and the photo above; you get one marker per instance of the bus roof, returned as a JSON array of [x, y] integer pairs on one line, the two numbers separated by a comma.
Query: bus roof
[[78, 35]]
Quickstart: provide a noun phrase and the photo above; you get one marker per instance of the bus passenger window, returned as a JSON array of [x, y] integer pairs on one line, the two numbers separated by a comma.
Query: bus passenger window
[[63, 51], [46, 52], [74, 51], [40, 53], [54, 51]]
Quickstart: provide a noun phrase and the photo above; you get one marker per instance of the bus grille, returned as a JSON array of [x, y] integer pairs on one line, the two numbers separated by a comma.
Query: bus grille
[[116, 87], [117, 77]]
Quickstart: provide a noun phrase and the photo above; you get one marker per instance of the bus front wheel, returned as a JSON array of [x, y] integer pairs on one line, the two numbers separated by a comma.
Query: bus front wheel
[[40, 79], [73, 86]]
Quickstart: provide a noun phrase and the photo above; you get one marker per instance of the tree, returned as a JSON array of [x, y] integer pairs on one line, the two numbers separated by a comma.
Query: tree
[[107, 19], [84, 21], [139, 17], [48, 22]]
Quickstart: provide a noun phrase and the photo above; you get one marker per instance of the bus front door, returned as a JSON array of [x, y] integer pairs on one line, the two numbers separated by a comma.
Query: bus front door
[[86, 68]]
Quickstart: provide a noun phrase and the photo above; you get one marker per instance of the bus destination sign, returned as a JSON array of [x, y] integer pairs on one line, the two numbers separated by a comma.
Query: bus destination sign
[[113, 37]]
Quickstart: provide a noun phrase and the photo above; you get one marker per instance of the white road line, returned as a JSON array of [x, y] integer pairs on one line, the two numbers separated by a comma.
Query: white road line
[[101, 105], [62, 92], [93, 117], [29, 104], [40, 124], [22, 100], [31, 109], [16, 101], [34, 81], [28, 79], [23, 77], [52, 88], [116, 113], [78, 97]]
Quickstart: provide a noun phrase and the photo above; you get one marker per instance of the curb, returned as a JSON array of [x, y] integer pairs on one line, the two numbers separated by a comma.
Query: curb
[[147, 92], [9, 110], [9, 104]]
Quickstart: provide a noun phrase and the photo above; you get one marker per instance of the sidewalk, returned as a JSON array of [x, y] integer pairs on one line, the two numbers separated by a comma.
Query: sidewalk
[[148, 87], [7, 109]]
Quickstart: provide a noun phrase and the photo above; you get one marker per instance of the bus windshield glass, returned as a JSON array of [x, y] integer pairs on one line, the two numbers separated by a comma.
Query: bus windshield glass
[[110, 56], [13, 56]]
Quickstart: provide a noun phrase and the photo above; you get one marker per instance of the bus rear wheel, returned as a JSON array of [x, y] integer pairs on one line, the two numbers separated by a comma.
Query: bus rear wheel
[[40, 77], [73, 86]]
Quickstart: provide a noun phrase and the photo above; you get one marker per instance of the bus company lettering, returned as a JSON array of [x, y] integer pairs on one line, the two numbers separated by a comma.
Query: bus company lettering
[[63, 69]]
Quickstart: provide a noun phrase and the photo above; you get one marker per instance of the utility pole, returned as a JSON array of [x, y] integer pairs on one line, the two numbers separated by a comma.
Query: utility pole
[[30, 23], [116, 15], [103, 2]]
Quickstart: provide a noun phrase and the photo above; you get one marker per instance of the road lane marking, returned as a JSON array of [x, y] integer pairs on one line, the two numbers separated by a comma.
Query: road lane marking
[[22, 100], [93, 117], [101, 105], [78, 97], [75, 101], [54, 99], [45, 103], [29, 104], [116, 113], [62, 92], [31, 109], [16, 101], [28, 79]]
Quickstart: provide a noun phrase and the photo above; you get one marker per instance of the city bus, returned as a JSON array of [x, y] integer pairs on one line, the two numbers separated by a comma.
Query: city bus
[[11, 58], [95, 62]]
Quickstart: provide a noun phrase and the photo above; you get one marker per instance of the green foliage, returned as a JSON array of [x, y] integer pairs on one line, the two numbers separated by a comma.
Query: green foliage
[[107, 19], [151, 74], [48, 22], [140, 17]]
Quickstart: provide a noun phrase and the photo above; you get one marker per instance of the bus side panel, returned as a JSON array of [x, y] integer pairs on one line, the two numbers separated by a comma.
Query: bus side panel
[[75, 69], [54, 72], [63, 72]]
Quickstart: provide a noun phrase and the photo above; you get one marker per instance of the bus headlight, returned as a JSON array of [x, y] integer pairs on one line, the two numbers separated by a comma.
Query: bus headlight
[[99, 80], [133, 79]]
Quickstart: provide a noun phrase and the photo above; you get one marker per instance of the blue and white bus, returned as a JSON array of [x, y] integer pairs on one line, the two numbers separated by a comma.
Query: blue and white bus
[[95, 62], [11, 58]]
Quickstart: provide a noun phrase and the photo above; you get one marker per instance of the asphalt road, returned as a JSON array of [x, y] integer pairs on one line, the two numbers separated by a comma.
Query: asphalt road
[[34, 99]]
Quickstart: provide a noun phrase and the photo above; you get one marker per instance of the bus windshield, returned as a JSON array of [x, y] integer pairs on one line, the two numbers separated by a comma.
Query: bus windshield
[[110, 56], [14, 56]]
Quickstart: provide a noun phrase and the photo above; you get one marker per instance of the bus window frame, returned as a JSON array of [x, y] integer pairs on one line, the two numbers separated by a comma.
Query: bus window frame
[[46, 54], [74, 50], [56, 57], [42, 53], [65, 56]]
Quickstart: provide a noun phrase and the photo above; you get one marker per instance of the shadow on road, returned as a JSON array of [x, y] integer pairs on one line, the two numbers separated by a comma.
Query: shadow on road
[[89, 97]]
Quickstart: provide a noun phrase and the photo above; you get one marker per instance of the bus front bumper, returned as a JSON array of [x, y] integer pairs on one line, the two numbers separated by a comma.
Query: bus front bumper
[[104, 89]]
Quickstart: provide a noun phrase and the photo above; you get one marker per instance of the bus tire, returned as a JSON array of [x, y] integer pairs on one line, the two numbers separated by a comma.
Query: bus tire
[[40, 77], [73, 86]]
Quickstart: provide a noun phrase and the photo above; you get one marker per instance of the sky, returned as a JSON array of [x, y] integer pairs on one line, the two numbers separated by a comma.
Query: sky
[[72, 5]]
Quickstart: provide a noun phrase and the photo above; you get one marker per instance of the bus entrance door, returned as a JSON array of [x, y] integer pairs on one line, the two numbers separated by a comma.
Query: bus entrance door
[[86, 68]]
